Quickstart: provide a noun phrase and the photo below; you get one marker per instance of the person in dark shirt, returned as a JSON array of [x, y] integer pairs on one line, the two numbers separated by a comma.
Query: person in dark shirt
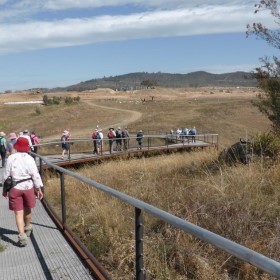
[[139, 139]]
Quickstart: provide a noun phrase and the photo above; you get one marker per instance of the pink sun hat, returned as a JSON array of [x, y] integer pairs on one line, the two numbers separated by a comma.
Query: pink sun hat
[[13, 136]]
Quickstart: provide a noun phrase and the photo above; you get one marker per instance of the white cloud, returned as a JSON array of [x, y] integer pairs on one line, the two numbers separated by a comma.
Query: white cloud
[[30, 35], [162, 4]]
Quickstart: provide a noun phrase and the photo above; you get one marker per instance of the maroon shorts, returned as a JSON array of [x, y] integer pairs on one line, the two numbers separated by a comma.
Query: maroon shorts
[[18, 199]]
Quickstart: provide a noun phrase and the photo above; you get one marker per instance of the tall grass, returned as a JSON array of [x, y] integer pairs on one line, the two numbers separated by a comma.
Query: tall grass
[[239, 203]]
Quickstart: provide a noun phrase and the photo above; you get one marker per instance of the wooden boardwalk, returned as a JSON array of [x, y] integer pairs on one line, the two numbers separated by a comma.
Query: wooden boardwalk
[[48, 255], [88, 157]]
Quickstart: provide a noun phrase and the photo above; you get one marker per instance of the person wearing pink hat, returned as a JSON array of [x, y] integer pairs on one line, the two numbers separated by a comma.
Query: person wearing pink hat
[[10, 146], [35, 142], [26, 179], [65, 143]]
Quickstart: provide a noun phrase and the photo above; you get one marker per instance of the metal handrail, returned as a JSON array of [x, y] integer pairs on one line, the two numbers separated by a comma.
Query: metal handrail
[[149, 141], [45, 141], [256, 259]]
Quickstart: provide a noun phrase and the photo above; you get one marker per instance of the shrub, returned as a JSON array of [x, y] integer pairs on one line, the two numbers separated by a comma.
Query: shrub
[[266, 144], [45, 99], [68, 100], [38, 110], [56, 100]]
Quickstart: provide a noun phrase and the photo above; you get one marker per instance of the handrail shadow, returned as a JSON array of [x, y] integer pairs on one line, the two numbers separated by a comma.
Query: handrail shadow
[[4, 231], [39, 254]]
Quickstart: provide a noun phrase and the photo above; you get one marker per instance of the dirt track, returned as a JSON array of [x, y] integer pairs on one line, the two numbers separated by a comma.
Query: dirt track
[[132, 115]]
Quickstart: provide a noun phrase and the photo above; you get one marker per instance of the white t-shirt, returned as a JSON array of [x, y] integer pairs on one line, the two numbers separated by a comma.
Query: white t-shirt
[[22, 166]]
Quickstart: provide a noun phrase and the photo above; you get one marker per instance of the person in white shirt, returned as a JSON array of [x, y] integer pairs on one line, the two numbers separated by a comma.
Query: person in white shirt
[[101, 139], [22, 168], [26, 135]]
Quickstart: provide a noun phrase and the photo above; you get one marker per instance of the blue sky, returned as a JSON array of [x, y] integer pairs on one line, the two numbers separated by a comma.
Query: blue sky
[[62, 42]]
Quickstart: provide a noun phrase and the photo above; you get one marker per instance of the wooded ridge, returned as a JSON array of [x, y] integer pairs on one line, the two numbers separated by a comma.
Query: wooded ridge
[[138, 80]]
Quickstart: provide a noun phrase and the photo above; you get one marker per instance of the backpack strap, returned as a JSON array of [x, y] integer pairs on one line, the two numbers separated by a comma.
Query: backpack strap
[[20, 181]]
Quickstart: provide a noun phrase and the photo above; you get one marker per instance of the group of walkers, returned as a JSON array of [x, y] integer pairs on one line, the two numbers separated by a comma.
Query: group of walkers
[[119, 136], [26, 183], [7, 146], [185, 134]]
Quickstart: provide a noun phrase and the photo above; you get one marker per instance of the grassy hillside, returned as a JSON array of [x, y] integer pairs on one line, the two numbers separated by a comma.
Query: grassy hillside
[[226, 111]]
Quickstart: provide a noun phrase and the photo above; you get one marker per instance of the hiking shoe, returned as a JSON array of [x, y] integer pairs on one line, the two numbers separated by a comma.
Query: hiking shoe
[[28, 230], [22, 240]]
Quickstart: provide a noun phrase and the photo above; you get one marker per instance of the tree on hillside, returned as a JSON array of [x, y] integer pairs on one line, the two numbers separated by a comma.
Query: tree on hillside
[[149, 83], [268, 75]]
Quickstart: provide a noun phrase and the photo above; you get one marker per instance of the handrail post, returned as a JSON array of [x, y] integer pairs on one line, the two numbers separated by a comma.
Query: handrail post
[[101, 147], [40, 167], [62, 191], [69, 157], [139, 244], [41, 171]]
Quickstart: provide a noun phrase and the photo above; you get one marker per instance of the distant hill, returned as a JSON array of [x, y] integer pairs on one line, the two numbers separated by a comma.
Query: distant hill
[[139, 80]]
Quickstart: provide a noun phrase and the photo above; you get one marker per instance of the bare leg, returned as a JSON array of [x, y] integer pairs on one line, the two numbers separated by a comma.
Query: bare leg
[[27, 216], [19, 221]]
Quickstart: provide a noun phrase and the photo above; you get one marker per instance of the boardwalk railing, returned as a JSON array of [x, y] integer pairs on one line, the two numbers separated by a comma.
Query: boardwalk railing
[[85, 145], [258, 260]]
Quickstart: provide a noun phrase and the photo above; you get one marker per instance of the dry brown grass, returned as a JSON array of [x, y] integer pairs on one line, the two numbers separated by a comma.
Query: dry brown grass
[[240, 202], [228, 112]]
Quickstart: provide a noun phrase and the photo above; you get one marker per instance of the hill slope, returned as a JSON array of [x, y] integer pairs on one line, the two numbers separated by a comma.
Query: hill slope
[[194, 79]]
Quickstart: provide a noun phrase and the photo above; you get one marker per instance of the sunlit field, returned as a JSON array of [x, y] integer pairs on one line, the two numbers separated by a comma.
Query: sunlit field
[[239, 202]]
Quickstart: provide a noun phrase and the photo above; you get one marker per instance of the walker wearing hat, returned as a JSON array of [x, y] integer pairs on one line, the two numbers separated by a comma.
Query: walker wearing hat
[[96, 141], [22, 167], [35, 141], [3, 148], [22, 145], [13, 136], [10, 147], [139, 139], [65, 144], [125, 136], [111, 135], [118, 139], [26, 135]]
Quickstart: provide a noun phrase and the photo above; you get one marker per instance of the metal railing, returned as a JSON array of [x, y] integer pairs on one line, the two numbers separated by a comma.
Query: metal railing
[[256, 259], [85, 145]]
